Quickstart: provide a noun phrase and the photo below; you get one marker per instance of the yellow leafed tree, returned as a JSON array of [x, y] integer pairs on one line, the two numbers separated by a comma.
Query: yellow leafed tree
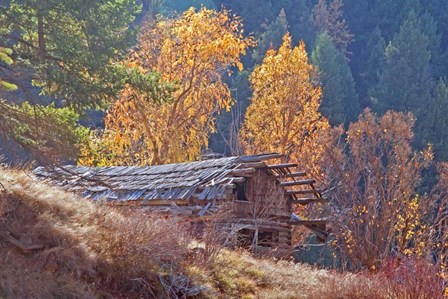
[[283, 115], [193, 51]]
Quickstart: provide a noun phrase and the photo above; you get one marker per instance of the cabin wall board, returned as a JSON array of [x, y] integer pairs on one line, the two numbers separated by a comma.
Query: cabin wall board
[[267, 197]]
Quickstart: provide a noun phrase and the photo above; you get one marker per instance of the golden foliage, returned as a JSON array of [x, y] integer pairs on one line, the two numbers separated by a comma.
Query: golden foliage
[[193, 51], [283, 115]]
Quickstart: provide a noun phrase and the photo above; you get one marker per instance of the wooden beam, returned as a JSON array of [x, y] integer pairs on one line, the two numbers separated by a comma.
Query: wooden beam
[[243, 171], [298, 192], [282, 165], [254, 165], [237, 179], [295, 183], [164, 202], [305, 201], [308, 222], [257, 158], [228, 186], [291, 175]]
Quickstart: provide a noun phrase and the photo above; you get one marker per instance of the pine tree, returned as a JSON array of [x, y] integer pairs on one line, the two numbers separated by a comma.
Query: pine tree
[[340, 102], [430, 28], [405, 81], [298, 17], [376, 46], [438, 116], [271, 38], [328, 18]]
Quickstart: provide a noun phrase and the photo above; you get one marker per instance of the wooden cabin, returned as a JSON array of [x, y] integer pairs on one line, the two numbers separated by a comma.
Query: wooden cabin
[[251, 197]]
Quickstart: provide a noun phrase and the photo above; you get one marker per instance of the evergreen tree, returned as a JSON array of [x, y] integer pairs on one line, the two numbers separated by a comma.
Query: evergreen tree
[[328, 18], [298, 17], [376, 46], [439, 10], [430, 28], [388, 15], [66, 47], [271, 38], [255, 13], [340, 101], [180, 6], [405, 81], [437, 114]]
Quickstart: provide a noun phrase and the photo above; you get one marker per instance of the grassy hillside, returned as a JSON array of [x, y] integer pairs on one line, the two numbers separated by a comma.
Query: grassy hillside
[[56, 245]]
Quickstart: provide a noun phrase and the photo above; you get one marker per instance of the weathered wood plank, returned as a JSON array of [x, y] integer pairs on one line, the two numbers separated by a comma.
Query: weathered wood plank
[[257, 158], [304, 201], [163, 202], [238, 180], [291, 175], [295, 183], [243, 171], [254, 165], [309, 191], [228, 186], [308, 222], [286, 165]]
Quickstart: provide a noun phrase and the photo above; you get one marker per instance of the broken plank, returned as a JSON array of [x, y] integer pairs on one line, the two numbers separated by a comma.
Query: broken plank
[[262, 157], [304, 201], [308, 222], [163, 202], [295, 183], [228, 186], [237, 179], [309, 191], [286, 165], [243, 171], [291, 175], [254, 165]]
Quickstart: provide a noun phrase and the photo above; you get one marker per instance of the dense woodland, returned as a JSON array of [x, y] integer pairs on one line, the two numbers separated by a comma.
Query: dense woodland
[[354, 90]]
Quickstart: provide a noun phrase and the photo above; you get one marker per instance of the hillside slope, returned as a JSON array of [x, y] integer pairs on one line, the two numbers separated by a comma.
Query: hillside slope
[[56, 245]]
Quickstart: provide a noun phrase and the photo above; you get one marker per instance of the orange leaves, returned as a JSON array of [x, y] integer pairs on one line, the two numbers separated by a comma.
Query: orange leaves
[[193, 50], [283, 115]]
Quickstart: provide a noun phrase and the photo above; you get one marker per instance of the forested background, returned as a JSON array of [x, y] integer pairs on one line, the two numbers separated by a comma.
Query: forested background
[[378, 54]]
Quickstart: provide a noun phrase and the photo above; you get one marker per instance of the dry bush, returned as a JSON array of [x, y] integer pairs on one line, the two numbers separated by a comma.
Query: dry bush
[[412, 278], [373, 179], [89, 250]]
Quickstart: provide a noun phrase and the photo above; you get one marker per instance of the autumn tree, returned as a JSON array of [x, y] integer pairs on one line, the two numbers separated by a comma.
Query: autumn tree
[[374, 176], [283, 114], [327, 18], [193, 51]]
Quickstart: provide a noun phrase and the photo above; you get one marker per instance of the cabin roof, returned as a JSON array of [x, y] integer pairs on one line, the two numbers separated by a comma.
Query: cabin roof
[[207, 179]]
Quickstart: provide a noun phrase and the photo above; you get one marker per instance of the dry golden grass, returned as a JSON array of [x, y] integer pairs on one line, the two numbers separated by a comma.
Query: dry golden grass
[[94, 251], [236, 274], [89, 250]]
